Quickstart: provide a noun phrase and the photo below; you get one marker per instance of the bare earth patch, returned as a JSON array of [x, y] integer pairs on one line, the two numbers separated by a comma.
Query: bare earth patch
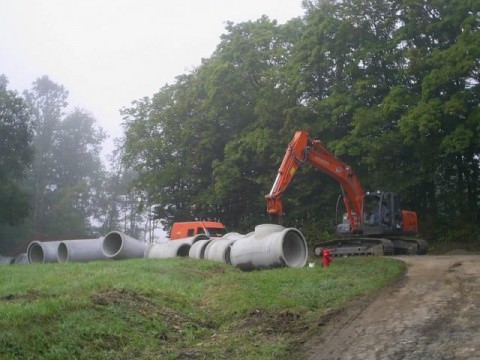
[[433, 313]]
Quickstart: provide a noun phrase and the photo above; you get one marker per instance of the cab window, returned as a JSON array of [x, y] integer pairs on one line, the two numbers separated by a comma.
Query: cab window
[[191, 232], [216, 232]]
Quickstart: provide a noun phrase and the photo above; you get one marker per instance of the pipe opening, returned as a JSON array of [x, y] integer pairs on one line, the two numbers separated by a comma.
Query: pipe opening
[[62, 253], [112, 244], [35, 254], [183, 250], [294, 249]]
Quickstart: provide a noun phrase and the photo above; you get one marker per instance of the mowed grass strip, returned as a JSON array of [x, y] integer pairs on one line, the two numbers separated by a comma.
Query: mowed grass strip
[[174, 309]]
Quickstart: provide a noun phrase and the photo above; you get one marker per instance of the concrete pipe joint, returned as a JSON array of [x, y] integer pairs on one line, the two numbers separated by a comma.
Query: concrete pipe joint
[[80, 250], [42, 251], [197, 250], [219, 249], [173, 248], [270, 246], [118, 245]]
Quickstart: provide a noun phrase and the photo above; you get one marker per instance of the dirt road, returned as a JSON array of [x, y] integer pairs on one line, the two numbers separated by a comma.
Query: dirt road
[[433, 313]]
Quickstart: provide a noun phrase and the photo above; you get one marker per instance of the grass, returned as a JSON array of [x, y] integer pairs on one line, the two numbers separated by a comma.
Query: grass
[[174, 309]]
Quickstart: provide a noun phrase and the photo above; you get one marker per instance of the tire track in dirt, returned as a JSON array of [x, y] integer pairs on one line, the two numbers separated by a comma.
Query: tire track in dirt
[[433, 313]]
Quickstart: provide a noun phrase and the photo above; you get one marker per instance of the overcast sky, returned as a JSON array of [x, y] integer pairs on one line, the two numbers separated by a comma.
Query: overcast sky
[[108, 53]]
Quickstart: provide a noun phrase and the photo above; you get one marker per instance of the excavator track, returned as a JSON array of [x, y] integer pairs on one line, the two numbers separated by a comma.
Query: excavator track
[[355, 246], [409, 246], [365, 246]]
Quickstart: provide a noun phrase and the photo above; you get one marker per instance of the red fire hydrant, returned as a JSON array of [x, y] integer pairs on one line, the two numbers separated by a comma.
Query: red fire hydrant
[[327, 257]]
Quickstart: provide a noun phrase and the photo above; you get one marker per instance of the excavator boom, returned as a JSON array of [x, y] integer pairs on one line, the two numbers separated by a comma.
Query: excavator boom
[[303, 150], [376, 223]]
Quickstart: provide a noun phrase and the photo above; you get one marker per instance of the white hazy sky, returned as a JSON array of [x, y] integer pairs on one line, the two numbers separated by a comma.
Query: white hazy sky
[[108, 53]]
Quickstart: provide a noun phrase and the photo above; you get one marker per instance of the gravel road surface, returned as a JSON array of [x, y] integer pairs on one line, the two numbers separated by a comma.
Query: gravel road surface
[[433, 313]]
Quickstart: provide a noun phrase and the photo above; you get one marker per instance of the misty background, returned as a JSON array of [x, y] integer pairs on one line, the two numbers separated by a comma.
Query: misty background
[[110, 53], [204, 96]]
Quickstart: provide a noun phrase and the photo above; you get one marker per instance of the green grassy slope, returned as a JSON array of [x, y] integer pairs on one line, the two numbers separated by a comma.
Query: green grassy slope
[[173, 309]]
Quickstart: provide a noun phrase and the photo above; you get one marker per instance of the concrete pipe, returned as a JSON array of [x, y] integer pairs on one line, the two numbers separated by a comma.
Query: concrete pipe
[[270, 246], [219, 249], [80, 250], [197, 250], [232, 235], [173, 248], [118, 245], [21, 258], [42, 251]]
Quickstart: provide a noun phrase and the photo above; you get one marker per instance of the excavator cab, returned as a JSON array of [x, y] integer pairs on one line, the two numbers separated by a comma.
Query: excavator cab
[[382, 214]]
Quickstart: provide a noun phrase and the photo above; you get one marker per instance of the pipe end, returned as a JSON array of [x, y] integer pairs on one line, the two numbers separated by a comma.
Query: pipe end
[[295, 250], [112, 244], [62, 253], [35, 253]]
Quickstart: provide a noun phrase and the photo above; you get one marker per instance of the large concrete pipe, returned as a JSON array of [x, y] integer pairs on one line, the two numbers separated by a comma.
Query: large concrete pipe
[[173, 248], [42, 251], [219, 249], [270, 246], [117, 245], [197, 250], [80, 250], [232, 235]]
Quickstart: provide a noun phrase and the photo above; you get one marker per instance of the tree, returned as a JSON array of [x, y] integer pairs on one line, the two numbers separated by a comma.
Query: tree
[[118, 206], [47, 102], [183, 141], [443, 125], [75, 157], [15, 154], [390, 86], [66, 166]]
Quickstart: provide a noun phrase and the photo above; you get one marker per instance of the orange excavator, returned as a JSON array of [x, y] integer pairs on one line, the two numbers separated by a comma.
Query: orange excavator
[[374, 223]]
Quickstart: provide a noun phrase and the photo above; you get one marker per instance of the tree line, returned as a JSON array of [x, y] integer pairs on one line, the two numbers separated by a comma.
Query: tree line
[[53, 184], [389, 86]]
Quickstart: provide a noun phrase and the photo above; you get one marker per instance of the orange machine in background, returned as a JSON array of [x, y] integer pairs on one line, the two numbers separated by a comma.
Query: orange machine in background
[[182, 230]]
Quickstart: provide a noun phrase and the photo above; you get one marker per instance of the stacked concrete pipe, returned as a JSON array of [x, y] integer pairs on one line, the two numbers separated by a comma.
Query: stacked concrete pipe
[[42, 251], [80, 250], [270, 246], [173, 248], [118, 245], [219, 249]]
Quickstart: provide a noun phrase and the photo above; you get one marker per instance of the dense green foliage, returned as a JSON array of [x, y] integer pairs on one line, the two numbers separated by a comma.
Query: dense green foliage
[[390, 86], [50, 168], [174, 309], [66, 162], [53, 184], [15, 154]]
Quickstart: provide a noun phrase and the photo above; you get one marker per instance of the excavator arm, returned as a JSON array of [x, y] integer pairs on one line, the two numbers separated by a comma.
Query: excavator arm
[[303, 150]]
